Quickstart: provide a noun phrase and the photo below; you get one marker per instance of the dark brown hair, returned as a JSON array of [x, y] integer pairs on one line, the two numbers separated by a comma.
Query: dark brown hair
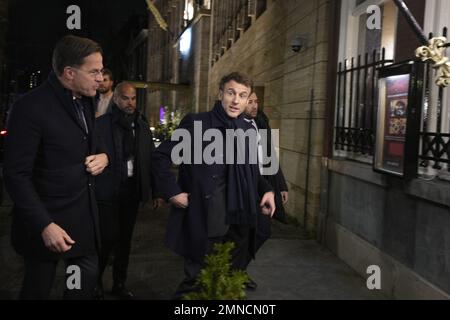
[[238, 77], [107, 72], [71, 51]]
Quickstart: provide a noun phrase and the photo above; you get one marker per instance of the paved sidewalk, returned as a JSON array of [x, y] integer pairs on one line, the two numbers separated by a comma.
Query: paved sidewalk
[[288, 267]]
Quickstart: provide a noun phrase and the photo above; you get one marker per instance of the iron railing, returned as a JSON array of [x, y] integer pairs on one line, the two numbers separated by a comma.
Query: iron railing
[[435, 134], [356, 105], [356, 108]]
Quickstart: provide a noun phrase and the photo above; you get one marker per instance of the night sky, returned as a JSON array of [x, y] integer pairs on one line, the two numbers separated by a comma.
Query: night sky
[[35, 27]]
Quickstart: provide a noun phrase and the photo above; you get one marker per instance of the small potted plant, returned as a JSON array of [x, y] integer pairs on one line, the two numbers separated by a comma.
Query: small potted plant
[[217, 281]]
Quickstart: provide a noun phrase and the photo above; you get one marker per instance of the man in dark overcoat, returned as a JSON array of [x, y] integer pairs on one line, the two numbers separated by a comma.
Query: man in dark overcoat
[[125, 184], [212, 201], [52, 154]]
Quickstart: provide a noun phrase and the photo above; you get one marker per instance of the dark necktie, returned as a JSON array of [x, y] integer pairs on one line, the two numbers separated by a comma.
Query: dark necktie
[[79, 108]]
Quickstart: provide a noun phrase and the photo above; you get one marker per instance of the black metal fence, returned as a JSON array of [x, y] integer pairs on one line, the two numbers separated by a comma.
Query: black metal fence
[[356, 109], [356, 105], [435, 135]]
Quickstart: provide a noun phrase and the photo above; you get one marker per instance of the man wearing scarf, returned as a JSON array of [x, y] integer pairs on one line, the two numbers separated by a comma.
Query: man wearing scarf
[[125, 183], [216, 202]]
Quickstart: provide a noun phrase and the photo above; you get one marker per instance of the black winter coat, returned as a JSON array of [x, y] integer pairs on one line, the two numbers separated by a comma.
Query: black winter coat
[[45, 173], [277, 181], [108, 183], [187, 229]]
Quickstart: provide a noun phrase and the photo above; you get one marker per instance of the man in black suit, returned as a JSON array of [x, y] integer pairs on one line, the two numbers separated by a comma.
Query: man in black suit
[[213, 201], [256, 117], [125, 184], [52, 154]]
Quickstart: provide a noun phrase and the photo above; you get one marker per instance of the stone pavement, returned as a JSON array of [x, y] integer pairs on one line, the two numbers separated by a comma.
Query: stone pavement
[[289, 266]]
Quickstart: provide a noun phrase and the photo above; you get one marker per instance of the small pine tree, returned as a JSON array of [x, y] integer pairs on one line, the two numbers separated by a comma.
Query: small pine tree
[[216, 280]]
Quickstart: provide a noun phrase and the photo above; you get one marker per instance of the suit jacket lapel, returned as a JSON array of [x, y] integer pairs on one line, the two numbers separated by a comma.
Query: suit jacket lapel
[[65, 98], [90, 121]]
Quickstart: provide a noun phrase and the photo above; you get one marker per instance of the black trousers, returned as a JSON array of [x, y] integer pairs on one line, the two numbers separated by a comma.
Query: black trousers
[[262, 234], [240, 235], [128, 208], [117, 221], [40, 275], [109, 231]]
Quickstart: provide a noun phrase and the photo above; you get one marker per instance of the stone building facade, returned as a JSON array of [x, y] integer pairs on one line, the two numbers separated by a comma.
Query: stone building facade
[[377, 218], [327, 125], [254, 37]]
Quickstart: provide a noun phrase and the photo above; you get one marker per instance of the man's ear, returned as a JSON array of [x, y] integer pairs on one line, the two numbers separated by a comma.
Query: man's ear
[[220, 96], [68, 73]]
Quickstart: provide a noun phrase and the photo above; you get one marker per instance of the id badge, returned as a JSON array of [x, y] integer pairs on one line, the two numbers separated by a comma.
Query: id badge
[[130, 167]]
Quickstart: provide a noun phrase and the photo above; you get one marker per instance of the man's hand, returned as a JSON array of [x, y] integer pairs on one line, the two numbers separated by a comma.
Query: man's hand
[[180, 200], [158, 203], [284, 196], [56, 239], [268, 204], [96, 163]]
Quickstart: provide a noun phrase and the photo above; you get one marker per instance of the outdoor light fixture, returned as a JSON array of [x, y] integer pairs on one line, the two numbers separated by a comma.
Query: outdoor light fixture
[[185, 42], [298, 43], [162, 115]]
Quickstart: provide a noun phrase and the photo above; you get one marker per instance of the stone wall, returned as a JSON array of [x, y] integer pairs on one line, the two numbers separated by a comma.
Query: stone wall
[[400, 226], [264, 52]]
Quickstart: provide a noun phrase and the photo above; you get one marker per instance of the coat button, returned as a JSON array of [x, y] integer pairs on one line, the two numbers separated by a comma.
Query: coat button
[[215, 176], [208, 196], [84, 138]]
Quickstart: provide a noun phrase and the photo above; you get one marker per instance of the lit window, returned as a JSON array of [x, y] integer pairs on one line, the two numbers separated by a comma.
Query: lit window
[[189, 10]]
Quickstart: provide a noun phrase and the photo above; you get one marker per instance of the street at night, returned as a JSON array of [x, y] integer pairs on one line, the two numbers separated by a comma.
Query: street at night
[[256, 150]]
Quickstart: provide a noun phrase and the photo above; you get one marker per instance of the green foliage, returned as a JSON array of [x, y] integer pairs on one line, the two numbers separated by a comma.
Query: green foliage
[[164, 130], [217, 281]]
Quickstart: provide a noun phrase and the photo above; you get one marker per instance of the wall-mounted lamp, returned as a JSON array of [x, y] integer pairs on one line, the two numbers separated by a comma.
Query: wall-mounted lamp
[[298, 43]]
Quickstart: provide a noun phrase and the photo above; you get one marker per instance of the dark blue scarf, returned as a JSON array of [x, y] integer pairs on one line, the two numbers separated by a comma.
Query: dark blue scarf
[[242, 179]]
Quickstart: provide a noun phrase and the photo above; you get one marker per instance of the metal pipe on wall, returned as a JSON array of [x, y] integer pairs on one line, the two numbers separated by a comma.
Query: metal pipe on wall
[[308, 159], [411, 21]]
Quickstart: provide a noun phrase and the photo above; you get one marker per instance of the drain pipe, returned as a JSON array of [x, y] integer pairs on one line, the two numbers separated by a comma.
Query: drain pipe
[[404, 10], [308, 160]]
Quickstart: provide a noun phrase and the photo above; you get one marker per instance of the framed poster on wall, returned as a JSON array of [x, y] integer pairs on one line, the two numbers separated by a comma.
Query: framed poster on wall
[[398, 118]]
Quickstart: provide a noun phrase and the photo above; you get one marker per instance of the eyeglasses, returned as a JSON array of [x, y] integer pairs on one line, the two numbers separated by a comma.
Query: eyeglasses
[[92, 73]]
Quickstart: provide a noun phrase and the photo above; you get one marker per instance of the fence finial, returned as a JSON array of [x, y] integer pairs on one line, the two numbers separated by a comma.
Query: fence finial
[[435, 53]]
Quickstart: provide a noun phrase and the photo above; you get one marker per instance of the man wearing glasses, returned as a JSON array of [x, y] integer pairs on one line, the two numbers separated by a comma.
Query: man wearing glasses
[[51, 157]]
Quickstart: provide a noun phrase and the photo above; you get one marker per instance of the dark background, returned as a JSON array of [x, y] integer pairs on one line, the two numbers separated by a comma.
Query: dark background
[[35, 26]]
